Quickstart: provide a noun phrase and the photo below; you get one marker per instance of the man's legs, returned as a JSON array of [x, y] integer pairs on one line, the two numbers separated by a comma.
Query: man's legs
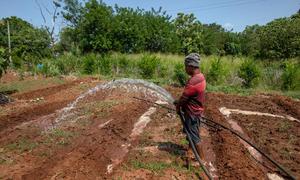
[[192, 125]]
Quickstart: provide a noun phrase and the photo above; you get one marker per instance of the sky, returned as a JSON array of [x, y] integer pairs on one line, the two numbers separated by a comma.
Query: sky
[[231, 14]]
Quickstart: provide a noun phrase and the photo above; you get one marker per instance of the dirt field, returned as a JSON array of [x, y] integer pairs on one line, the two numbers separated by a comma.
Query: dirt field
[[110, 135]]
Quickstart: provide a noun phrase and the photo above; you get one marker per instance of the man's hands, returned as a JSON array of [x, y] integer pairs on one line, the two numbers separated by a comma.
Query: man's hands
[[176, 103]]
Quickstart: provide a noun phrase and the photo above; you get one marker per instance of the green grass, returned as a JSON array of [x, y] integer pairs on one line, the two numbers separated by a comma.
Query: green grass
[[152, 166], [159, 167], [184, 142], [21, 145], [59, 137], [29, 85]]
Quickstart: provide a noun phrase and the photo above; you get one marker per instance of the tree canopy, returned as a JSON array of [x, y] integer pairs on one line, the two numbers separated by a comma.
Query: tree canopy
[[93, 26]]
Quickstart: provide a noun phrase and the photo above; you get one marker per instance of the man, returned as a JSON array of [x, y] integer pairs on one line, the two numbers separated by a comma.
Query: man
[[192, 99]]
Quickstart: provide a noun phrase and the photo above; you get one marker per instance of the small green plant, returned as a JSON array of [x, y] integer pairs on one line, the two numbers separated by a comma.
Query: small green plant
[[148, 65], [290, 76], [179, 74], [249, 72], [184, 142]]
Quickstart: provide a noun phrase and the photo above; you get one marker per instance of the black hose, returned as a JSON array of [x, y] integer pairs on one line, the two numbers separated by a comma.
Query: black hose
[[235, 133], [255, 147], [193, 146]]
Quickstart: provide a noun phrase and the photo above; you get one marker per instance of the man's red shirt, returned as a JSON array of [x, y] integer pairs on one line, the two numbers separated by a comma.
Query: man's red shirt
[[193, 96]]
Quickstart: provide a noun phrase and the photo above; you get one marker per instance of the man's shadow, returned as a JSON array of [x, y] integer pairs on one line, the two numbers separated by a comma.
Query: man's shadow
[[172, 148]]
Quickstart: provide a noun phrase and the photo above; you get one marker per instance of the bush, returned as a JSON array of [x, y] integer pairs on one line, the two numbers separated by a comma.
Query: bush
[[104, 65], [289, 76], [68, 63], [249, 72], [50, 69], [148, 65], [216, 72], [124, 65], [179, 74], [89, 62]]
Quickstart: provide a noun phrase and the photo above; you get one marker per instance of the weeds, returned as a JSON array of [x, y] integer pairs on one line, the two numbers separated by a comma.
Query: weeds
[[158, 167], [152, 166], [21, 145], [59, 137]]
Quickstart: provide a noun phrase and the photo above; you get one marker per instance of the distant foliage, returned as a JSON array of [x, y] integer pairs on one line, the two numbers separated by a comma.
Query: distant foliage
[[29, 44], [3, 62], [95, 27], [291, 76], [249, 72]]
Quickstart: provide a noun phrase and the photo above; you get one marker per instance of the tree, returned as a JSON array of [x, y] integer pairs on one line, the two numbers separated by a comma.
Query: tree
[[53, 16], [95, 27], [281, 38], [214, 38], [129, 30], [250, 41], [29, 44], [72, 12], [190, 33]]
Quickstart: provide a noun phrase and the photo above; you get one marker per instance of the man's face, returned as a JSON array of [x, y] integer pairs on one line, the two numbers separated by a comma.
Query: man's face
[[189, 70]]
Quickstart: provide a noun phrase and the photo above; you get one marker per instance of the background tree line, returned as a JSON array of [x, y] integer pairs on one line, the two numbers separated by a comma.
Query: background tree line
[[94, 27]]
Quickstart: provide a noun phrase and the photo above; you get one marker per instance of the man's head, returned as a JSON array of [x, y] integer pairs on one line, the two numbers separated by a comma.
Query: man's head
[[191, 63]]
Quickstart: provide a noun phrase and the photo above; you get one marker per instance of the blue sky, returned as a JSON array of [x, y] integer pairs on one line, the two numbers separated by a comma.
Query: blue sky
[[236, 14]]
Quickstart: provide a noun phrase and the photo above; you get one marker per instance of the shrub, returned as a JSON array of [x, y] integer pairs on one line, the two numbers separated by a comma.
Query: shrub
[[179, 74], [104, 65], [50, 69], [216, 72], [249, 72], [68, 63], [88, 65], [289, 76], [120, 64], [148, 65]]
